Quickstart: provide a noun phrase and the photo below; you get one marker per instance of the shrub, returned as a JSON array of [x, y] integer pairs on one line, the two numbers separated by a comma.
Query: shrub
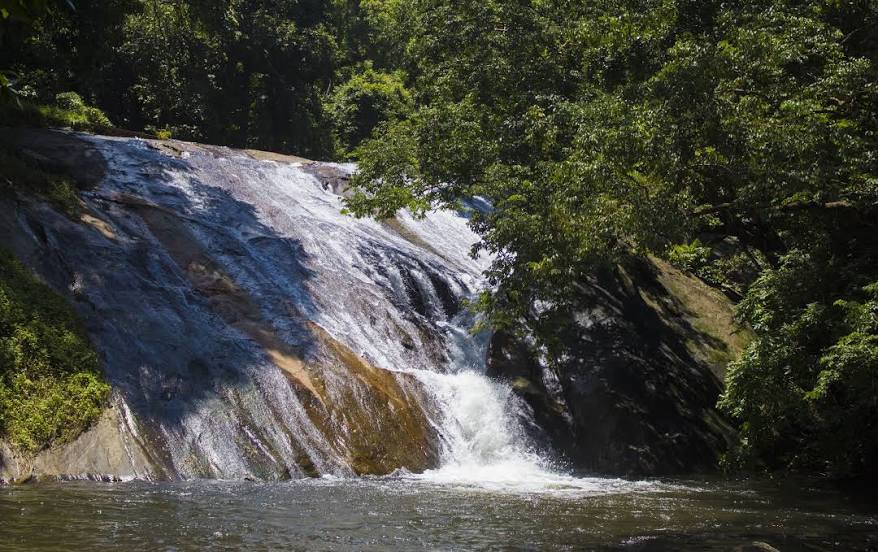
[[69, 111], [689, 256], [51, 388], [367, 99], [806, 389]]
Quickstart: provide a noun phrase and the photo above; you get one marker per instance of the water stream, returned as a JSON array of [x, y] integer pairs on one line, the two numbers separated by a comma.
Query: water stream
[[398, 513], [391, 292]]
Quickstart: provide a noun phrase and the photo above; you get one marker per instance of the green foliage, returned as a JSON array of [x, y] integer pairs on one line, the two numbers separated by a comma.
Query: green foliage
[[50, 384], [27, 10], [77, 112], [161, 133], [68, 111], [806, 389], [728, 267], [689, 256], [246, 74], [601, 129], [372, 30], [365, 100]]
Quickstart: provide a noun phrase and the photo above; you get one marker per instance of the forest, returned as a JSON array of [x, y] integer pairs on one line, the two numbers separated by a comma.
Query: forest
[[737, 140]]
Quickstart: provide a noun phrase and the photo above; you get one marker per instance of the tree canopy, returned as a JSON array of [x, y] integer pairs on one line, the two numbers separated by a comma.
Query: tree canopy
[[242, 73], [599, 130]]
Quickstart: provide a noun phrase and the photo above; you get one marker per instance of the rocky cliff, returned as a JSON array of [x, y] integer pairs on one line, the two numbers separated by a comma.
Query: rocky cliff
[[632, 386], [250, 330]]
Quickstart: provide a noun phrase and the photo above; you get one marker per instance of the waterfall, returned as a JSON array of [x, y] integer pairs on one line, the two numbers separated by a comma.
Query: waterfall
[[251, 330]]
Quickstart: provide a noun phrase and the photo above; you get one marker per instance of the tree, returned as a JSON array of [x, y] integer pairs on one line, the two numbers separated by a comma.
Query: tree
[[239, 73], [598, 130], [367, 99]]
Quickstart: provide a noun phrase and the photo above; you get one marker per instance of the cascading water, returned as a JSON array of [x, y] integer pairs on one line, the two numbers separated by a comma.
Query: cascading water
[[479, 420], [484, 444], [252, 330], [418, 264]]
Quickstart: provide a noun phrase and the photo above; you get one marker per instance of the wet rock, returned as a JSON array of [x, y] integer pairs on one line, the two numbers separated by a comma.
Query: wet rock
[[634, 383], [248, 329], [59, 152], [756, 546], [107, 451], [331, 176]]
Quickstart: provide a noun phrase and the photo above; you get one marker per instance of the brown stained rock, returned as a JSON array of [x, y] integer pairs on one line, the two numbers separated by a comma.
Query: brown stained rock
[[379, 415], [756, 546], [373, 416], [100, 225], [400, 229], [277, 157]]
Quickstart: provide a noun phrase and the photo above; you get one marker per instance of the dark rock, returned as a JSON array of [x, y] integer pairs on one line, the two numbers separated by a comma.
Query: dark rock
[[756, 546], [59, 152], [331, 177], [636, 374]]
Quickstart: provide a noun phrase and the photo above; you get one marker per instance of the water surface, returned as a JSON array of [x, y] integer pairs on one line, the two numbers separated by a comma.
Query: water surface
[[425, 513]]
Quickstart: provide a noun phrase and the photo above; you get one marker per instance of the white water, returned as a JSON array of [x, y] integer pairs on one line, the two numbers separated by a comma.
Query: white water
[[485, 447], [375, 288], [483, 443]]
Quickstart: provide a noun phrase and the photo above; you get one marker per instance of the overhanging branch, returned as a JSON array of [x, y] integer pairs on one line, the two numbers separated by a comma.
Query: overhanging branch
[[792, 206]]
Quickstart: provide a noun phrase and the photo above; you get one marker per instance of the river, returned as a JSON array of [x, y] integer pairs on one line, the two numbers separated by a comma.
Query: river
[[408, 512]]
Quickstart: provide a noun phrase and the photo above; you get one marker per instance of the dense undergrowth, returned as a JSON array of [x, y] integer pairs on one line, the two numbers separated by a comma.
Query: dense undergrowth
[[51, 388], [67, 111]]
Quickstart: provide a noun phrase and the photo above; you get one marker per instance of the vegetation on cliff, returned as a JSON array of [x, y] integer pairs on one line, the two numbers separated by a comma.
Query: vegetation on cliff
[[67, 110], [50, 383]]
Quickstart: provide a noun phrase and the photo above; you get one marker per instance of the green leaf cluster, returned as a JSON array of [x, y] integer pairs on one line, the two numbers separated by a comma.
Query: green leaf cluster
[[807, 389], [67, 111], [51, 388], [365, 100]]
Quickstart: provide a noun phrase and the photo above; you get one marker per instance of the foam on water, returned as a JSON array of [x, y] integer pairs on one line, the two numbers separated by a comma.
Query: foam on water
[[485, 448]]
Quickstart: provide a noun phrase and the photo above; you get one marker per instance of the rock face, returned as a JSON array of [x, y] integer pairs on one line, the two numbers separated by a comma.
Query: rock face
[[108, 451], [248, 329], [632, 390]]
